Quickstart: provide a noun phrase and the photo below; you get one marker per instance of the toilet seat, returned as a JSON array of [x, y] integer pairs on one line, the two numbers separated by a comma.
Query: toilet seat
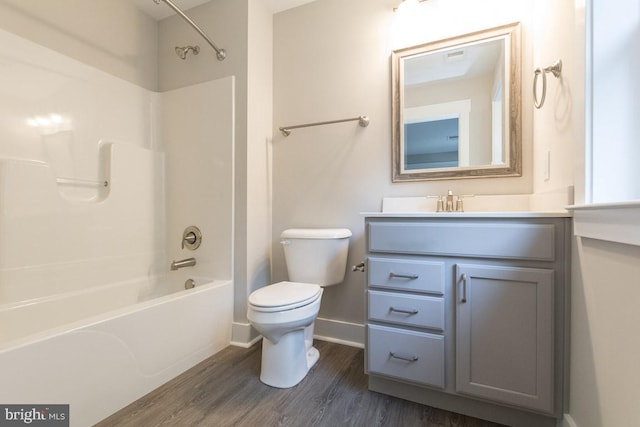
[[284, 296]]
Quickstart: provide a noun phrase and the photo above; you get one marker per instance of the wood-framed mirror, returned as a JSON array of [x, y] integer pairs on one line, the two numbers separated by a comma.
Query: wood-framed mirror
[[456, 107]]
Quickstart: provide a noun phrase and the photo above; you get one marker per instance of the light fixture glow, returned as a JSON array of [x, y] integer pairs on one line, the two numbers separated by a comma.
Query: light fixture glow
[[43, 121], [49, 124], [55, 118]]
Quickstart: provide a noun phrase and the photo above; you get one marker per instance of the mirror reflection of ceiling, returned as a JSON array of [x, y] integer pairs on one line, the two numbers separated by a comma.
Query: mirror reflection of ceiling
[[460, 62]]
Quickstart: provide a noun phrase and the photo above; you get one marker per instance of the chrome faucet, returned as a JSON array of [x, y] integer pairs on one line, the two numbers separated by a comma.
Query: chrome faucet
[[188, 262], [450, 203]]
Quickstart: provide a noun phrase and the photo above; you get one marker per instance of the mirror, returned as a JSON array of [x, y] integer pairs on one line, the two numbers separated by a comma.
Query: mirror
[[456, 107]]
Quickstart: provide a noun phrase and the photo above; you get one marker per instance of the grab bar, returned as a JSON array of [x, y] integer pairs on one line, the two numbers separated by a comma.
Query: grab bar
[[77, 181], [362, 121], [220, 53], [555, 69]]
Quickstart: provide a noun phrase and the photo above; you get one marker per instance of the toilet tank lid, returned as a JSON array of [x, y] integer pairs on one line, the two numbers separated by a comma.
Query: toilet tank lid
[[316, 233]]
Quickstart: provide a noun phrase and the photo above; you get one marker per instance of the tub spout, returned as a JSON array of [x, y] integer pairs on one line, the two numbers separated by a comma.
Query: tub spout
[[188, 262]]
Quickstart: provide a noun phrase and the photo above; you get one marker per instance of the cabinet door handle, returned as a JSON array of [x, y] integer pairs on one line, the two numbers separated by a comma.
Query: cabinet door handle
[[464, 288], [404, 357], [403, 310], [403, 276]]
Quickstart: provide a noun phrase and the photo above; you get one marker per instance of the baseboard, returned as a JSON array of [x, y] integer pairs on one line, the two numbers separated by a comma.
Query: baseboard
[[567, 421], [243, 335], [345, 333]]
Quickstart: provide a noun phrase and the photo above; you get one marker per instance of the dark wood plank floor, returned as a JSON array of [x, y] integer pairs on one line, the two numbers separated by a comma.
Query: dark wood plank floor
[[225, 390]]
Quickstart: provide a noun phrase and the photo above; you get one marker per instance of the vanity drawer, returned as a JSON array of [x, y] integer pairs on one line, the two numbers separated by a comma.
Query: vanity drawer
[[407, 275], [405, 309], [465, 238], [408, 355]]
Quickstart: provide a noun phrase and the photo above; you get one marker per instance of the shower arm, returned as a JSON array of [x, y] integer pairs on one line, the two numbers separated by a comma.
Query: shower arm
[[220, 53]]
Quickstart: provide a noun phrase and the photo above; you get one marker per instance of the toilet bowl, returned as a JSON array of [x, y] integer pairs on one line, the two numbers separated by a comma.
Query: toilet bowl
[[284, 313], [286, 324]]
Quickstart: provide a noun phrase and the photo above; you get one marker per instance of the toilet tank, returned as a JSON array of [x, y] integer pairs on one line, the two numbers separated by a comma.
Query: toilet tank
[[316, 255]]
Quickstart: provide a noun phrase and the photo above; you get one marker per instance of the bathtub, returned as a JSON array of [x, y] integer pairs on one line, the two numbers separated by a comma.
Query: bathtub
[[102, 349]]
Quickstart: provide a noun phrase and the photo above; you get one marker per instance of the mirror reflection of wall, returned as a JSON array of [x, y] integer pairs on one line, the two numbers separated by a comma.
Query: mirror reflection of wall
[[470, 71], [436, 135], [431, 144]]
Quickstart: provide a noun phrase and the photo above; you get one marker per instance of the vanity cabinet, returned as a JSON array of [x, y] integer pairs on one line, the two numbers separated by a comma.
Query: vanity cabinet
[[468, 313]]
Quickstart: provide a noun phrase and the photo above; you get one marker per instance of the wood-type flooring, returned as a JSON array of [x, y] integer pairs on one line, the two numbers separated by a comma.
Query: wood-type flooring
[[225, 390]]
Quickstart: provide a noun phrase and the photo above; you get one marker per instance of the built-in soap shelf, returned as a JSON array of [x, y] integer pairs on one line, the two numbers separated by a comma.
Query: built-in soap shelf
[[81, 182], [82, 189]]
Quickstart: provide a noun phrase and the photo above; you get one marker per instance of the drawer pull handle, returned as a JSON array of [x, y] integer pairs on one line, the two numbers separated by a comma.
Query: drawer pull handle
[[404, 357], [403, 310], [403, 276]]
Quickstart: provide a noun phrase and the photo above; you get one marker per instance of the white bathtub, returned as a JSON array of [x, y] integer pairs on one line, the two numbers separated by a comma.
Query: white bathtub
[[105, 361]]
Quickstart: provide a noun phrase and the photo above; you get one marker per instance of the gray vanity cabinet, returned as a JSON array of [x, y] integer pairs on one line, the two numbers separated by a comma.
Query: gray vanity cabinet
[[467, 313]]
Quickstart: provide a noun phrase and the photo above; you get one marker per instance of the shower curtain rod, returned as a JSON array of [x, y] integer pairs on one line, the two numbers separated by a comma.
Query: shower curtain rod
[[220, 53]]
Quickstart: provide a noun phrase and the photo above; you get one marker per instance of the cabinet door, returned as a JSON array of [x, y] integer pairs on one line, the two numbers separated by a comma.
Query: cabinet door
[[504, 337]]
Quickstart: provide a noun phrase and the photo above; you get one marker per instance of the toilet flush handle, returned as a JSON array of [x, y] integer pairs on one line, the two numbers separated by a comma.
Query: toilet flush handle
[[285, 242]]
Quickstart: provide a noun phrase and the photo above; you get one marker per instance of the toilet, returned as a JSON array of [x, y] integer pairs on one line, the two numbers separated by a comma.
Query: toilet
[[284, 313]]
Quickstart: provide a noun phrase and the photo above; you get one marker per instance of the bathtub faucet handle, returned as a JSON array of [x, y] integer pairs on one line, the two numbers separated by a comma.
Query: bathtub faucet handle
[[191, 238]]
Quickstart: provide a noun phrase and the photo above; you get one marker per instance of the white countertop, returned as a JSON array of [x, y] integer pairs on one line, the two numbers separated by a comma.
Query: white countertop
[[513, 214], [482, 206]]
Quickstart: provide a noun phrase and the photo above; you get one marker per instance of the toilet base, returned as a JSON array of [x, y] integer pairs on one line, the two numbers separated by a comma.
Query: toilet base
[[285, 364], [312, 356]]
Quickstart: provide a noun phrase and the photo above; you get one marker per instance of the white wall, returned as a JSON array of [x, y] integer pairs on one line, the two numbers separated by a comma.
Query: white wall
[[605, 345], [331, 61], [259, 138], [562, 115], [111, 35]]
